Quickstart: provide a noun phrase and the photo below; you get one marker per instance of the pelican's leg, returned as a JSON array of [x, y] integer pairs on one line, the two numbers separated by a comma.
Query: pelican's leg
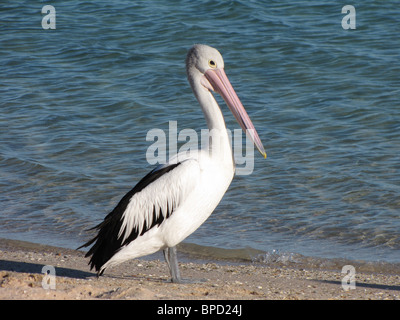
[[172, 262]]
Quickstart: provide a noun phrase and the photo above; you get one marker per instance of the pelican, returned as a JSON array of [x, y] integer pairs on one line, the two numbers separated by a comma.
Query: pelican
[[174, 199]]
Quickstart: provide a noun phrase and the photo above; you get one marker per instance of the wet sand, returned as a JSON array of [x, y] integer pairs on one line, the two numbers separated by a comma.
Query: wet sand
[[21, 277]]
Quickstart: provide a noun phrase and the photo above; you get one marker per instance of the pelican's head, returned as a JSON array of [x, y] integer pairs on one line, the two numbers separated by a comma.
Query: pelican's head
[[205, 68], [203, 58]]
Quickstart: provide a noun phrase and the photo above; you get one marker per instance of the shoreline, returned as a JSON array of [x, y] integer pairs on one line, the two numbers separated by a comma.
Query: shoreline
[[21, 277]]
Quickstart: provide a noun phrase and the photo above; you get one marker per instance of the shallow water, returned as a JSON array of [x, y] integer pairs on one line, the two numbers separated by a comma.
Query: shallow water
[[77, 103]]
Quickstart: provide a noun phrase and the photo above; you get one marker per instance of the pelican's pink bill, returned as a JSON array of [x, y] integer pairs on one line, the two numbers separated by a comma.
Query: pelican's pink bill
[[220, 83]]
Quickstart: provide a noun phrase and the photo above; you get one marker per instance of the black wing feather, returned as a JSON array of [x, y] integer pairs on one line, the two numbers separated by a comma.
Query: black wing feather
[[106, 242]]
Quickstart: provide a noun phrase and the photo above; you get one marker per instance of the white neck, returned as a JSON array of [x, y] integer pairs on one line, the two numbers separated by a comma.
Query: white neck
[[219, 145]]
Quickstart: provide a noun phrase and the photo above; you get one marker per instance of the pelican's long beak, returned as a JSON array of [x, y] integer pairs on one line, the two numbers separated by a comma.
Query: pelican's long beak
[[220, 83]]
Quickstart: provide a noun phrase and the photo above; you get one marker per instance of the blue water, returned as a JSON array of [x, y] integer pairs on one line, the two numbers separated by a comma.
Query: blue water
[[77, 102]]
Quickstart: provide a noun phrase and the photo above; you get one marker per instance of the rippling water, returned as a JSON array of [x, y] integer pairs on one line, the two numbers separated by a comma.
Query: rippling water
[[77, 102]]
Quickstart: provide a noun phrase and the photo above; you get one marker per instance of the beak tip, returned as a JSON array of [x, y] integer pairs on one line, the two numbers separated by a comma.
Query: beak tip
[[263, 153]]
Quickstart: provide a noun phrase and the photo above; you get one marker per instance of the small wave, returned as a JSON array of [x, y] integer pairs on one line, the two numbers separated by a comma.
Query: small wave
[[275, 258], [278, 259]]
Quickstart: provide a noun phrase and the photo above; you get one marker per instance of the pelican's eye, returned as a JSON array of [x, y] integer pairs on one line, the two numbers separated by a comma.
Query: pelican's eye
[[212, 63]]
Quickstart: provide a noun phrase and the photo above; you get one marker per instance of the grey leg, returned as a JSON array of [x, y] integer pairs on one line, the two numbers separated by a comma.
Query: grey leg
[[172, 261]]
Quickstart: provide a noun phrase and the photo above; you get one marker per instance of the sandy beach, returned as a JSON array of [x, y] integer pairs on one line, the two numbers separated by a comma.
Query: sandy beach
[[21, 277]]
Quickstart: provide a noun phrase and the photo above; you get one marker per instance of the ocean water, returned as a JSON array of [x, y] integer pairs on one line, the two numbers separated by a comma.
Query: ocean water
[[77, 102]]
